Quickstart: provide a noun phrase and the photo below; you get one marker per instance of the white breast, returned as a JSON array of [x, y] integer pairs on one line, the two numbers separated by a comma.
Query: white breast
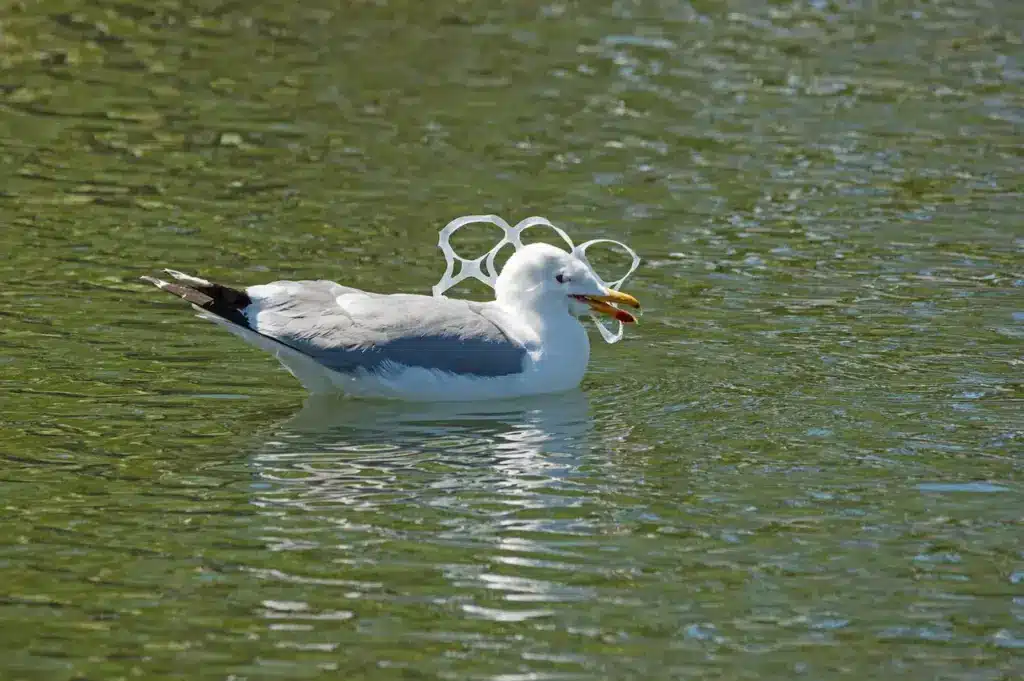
[[560, 359]]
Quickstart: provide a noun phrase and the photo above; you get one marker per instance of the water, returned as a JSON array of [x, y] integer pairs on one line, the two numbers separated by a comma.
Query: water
[[804, 463]]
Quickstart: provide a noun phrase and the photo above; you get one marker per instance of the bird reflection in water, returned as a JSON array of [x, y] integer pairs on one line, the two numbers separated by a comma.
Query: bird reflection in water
[[355, 452], [495, 498]]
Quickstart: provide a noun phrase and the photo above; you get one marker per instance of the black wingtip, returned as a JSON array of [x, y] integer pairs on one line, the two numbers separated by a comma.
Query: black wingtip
[[222, 301]]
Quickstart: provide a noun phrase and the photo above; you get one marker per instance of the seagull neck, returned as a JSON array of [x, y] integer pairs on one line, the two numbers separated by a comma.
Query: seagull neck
[[544, 317], [532, 305]]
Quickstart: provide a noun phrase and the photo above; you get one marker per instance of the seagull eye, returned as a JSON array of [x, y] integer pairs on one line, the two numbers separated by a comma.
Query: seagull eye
[[561, 278]]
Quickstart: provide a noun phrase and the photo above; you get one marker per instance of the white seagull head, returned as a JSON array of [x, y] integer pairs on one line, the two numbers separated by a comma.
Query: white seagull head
[[545, 279]]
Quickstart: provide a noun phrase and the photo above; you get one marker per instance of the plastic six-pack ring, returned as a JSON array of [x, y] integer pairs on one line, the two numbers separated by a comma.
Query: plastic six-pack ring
[[483, 268]]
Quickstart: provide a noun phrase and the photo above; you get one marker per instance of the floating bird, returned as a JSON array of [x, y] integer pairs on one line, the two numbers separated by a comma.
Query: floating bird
[[333, 338]]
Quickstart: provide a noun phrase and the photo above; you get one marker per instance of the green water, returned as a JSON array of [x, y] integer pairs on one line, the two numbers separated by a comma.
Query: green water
[[804, 463]]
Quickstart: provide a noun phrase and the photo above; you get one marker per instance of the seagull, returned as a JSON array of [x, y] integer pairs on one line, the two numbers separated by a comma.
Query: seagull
[[335, 338]]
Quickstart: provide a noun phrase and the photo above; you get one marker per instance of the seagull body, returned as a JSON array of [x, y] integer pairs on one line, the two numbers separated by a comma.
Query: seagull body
[[336, 338]]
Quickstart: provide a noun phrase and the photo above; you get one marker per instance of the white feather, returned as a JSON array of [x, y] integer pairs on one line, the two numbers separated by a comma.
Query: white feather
[[188, 278]]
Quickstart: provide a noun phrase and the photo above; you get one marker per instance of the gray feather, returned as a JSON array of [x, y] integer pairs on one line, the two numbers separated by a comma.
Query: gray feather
[[346, 329]]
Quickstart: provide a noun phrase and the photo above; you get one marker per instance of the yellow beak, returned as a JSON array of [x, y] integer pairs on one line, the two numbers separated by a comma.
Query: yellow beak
[[601, 304]]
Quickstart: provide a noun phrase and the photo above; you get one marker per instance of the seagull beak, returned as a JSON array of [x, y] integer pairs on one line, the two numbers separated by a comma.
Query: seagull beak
[[605, 304]]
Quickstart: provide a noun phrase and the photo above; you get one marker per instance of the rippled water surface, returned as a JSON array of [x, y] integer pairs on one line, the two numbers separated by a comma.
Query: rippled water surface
[[804, 463]]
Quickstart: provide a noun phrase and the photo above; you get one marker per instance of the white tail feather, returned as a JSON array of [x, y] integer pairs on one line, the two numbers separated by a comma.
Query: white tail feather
[[187, 278], [159, 283]]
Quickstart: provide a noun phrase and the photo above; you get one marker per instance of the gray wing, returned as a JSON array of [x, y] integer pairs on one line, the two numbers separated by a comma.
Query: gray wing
[[346, 329]]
